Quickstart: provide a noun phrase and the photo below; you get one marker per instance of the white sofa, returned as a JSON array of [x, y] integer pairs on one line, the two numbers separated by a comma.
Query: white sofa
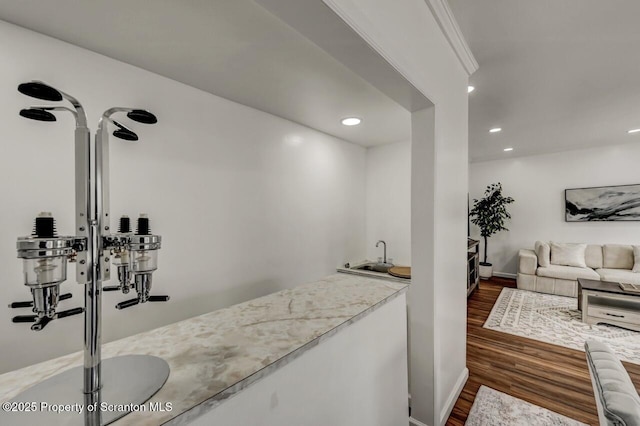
[[608, 262], [617, 400]]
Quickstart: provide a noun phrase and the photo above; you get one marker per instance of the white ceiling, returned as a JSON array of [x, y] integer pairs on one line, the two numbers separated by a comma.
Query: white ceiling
[[231, 48], [555, 75]]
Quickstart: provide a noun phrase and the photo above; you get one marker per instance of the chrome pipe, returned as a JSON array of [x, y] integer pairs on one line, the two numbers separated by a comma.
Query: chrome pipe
[[92, 320], [87, 276], [102, 181], [81, 120], [87, 264]]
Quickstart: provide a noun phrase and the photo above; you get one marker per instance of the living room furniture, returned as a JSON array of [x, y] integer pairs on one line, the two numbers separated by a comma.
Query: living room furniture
[[473, 265], [616, 397], [605, 302], [608, 262]]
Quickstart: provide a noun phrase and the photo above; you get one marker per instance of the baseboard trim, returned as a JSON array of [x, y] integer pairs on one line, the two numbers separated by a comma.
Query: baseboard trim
[[505, 275], [414, 422], [453, 396]]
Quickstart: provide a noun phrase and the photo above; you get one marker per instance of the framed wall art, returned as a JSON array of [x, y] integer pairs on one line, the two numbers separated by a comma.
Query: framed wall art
[[603, 203]]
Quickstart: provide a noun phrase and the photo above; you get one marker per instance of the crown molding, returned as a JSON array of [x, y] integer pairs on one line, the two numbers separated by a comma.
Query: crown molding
[[449, 26]]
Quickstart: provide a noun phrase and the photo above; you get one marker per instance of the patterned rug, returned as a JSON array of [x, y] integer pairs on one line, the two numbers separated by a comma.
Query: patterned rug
[[493, 408], [556, 320]]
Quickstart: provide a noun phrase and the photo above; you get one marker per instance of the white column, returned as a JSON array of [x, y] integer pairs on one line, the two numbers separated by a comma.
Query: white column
[[421, 294]]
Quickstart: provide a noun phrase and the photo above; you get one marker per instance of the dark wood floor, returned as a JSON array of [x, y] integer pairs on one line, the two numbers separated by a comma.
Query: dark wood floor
[[547, 375]]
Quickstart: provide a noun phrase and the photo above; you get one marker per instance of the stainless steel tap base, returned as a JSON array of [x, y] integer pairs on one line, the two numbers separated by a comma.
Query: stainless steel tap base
[[127, 382]]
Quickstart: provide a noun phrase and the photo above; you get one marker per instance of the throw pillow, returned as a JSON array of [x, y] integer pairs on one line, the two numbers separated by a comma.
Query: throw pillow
[[568, 254], [593, 256], [618, 256], [636, 257], [543, 252]]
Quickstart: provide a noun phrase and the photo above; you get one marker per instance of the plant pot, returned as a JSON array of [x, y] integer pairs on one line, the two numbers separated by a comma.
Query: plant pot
[[486, 270]]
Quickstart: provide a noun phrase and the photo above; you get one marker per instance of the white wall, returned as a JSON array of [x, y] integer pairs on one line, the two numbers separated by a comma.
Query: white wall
[[537, 184], [439, 180], [350, 379], [246, 203], [388, 201]]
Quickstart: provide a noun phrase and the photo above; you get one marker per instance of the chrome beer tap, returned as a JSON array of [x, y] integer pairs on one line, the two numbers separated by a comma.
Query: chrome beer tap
[[120, 252], [44, 256], [143, 254]]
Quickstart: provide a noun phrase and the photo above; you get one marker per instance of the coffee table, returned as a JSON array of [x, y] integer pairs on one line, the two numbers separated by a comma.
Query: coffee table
[[605, 302]]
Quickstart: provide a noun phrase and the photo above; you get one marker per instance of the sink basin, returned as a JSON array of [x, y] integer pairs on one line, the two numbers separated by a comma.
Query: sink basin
[[375, 267]]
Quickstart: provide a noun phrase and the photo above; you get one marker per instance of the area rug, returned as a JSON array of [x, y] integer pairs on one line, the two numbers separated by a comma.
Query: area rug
[[556, 320], [493, 408]]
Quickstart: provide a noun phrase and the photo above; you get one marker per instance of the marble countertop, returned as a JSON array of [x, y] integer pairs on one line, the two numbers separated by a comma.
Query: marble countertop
[[216, 355]]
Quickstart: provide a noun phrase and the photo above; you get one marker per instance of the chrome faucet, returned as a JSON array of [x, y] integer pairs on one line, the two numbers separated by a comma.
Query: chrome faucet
[[385, 250]]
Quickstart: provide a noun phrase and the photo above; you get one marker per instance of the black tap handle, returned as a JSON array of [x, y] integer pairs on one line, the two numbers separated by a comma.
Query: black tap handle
[[158, 299], [29, 304], [21, 304], [111, 288], [69, 312], [127, 303], [41, 323], [24, 318]]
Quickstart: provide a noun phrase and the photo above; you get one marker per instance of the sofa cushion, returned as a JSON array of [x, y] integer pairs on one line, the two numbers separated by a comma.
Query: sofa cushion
[[617, 256], [557, 286], [567, 272], [616, 393], [526, 281], [636, 258], [543, 251], [618, 276], [527, 262], [593, 256], [567, 254]]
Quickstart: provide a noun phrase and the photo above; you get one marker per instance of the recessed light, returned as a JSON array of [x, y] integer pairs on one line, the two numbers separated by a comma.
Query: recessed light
[[470, 89], [634, 131], [495, 130], [351, 121], [508, 149]]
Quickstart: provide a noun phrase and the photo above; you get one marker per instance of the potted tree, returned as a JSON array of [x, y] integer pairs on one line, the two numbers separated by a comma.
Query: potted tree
[[489, 214]]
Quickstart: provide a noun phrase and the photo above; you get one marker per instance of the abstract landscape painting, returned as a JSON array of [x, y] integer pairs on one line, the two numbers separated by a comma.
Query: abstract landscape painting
[[605, 203]]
